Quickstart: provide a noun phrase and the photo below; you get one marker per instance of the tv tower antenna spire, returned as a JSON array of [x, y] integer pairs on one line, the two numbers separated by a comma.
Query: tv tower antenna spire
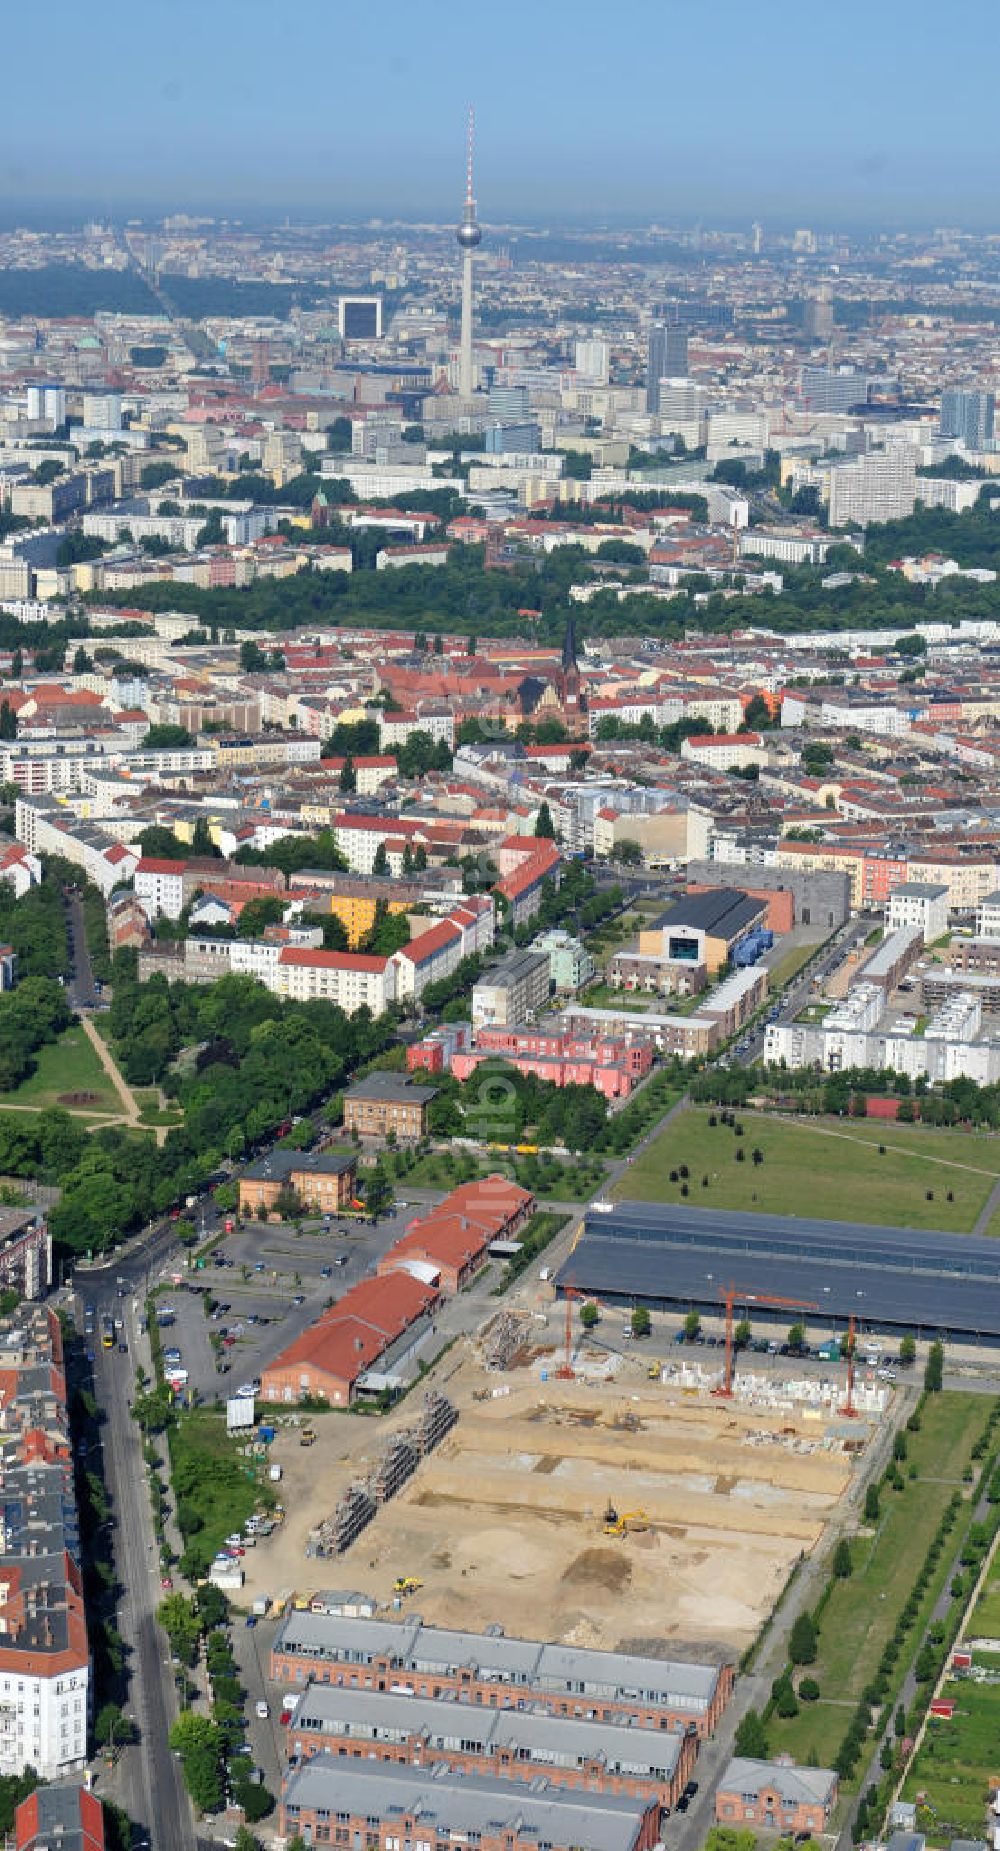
[[469, 236]]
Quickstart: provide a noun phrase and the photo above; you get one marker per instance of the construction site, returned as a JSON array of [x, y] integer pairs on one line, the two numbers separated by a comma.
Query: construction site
[[588, 1503]]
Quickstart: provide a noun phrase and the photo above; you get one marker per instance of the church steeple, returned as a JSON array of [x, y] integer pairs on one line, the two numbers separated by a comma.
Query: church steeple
[[569, 674]]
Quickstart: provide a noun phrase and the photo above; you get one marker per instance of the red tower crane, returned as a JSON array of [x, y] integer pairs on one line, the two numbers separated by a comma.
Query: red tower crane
[[849, 1408], [566, 1371], [730, 1294]]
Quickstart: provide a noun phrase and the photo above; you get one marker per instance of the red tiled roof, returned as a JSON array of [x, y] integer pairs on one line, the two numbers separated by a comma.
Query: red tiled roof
[[331, 960]]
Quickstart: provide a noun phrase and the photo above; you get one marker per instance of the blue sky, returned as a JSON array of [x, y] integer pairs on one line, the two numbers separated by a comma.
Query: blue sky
[[880, 112]]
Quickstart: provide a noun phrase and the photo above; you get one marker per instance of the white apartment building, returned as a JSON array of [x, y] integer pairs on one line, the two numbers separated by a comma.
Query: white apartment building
[[44, 1653], [358, 838], [742, 429], [592, 360], [923, 904], [394, 729], [725, 752], [988, 916], [350, 979], [879, 487], [46, 828], [159, 887], [942, 492], [722, 712]]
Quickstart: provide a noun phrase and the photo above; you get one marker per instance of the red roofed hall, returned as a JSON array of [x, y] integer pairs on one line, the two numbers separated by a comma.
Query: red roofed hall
[[327, 1361], [453, 1241]]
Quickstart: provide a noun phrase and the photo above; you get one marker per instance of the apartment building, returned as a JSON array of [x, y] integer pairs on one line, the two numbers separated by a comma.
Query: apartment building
[[923, 904], [570, 963], [427, 959], [44, 1653], [613, 1064], [724, 751], [25, 1249], [46, 828], [879, 487], [351, 979], [64, 1817], [988, 916], [513, 991], [159, 887]]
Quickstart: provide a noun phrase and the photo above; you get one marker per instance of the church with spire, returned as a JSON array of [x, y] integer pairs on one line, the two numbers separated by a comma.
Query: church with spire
[[570, 695]]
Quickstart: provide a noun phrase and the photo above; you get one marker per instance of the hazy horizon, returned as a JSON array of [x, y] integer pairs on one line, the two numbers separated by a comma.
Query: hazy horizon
[[657, 112]]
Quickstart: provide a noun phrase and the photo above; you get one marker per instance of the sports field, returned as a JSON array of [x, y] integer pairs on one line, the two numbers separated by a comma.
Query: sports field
[[829, 1167]]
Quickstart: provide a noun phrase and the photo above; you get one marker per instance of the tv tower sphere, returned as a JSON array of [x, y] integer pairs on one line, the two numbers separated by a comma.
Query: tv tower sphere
[[468, 236]]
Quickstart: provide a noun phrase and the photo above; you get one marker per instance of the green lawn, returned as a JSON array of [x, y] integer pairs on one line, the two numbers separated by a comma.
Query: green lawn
[[605, 996], [790, 965], [832, 1167], [215, 1487], [550, 1178], [68, 1065], [955, 1762], [861, 1612], [985, 1621]]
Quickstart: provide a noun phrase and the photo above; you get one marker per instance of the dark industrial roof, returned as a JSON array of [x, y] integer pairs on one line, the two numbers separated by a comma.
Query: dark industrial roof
[[722, 913], [906, 1277]]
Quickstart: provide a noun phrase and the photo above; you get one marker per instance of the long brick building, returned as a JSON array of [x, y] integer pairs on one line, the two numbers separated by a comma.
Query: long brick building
[[562, 1680], [594, 1757], [332, 1801]]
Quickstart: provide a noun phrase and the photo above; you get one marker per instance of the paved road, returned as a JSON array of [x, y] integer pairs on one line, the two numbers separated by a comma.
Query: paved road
[[82, 993], [147, 1780], [798, 991]]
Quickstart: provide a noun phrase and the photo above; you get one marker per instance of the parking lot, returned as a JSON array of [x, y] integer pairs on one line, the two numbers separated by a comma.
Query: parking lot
[[272, 1282]]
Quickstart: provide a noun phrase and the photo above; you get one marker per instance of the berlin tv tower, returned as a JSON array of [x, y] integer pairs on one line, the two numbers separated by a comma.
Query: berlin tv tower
[[468, 235]]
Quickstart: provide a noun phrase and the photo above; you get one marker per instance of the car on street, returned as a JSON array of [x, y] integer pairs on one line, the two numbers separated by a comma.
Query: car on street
[[245, 1391], [251, 1619], [263, 1709]]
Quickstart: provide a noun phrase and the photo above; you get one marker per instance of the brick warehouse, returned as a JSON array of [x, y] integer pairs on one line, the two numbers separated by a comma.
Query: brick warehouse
[[388, 1808], [500, 1672], [595, 1757]]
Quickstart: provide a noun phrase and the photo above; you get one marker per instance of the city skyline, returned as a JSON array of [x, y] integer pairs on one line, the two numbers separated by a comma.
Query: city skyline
[[716, 122]]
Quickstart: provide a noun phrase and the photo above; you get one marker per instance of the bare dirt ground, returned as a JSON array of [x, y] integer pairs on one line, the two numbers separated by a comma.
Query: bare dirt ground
[[504, 1523]]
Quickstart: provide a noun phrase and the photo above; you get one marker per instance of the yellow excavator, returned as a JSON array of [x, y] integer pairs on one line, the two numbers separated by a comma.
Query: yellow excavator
[[624, 1523], [406, 1584]]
